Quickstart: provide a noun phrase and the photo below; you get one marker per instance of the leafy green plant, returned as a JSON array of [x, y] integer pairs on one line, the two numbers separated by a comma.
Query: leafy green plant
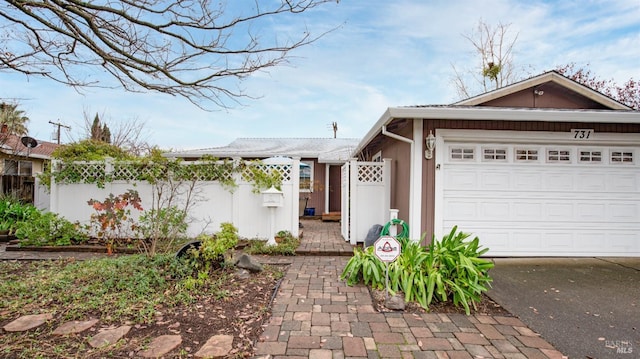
[[13, 211], [46, 229], [161, 226], [213, 248], [449, 269], [262, 179], [367, 267], [286, 247], [455, 270]]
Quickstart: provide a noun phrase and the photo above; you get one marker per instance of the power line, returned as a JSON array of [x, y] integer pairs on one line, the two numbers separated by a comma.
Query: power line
[[58, 130]]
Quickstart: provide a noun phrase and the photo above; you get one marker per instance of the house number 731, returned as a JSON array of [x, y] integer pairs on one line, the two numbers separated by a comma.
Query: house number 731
[[581, 134]]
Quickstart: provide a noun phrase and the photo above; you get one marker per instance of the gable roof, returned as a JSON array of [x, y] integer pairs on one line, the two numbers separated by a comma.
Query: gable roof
[[553, 77], [326, 150], [12, 144]]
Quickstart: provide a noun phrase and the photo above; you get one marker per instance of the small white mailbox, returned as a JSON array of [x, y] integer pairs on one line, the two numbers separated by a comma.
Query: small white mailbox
[[272, 198]]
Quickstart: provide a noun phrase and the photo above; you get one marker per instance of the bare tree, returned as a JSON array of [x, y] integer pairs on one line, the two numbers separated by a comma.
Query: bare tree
[[198, 49], [494, 45], [130, 135]]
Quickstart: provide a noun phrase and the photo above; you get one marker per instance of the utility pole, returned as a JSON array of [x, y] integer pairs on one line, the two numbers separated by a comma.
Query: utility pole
[[58, 130]]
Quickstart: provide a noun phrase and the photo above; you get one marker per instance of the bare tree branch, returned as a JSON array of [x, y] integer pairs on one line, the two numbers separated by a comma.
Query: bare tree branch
[[494, 45], [197, 49]]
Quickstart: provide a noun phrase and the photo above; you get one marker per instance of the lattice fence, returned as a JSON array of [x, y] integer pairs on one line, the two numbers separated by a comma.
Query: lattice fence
[[81, 172], [370, 173], [284, 169], [91, 172]]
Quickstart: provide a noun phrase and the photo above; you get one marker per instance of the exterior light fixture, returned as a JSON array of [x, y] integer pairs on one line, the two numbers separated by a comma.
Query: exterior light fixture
[[430, 143]]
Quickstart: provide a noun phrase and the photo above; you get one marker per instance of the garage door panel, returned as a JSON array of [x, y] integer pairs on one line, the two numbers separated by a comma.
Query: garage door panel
[[590, 211], [495, 180], [494, 210], [624, 183], [590, 182], [528, 181], [624, 212], [527, 210], [558, 181], [550, 209], [460, 210], [561, 243], [464, 179]]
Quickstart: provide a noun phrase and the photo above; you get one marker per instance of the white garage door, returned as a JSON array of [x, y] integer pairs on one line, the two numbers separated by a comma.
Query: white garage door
[[527, 199]]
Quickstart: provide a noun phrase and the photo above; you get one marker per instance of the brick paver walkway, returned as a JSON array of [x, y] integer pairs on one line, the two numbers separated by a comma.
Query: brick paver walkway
[[324, 239], [315, 315]]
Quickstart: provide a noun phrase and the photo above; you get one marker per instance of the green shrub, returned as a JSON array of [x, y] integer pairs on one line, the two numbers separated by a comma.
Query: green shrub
[[449, 269], [455, 271], [13, 211], [49, 229], [286, 247], [161, 227], [214, 247], [367, 267]]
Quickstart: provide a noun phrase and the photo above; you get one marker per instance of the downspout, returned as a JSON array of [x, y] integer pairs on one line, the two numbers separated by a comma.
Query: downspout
[[415, 192]]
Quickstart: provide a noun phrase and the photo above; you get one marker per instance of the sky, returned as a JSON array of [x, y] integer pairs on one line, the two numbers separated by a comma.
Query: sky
[[381, 54]]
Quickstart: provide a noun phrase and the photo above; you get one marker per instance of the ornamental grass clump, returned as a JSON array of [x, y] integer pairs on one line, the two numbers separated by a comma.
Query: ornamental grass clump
[[447, 270]]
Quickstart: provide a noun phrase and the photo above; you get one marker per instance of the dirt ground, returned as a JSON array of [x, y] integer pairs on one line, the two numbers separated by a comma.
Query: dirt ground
[[241, 308]]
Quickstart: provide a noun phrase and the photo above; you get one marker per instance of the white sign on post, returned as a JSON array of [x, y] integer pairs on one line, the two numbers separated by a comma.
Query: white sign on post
[[387, 248]]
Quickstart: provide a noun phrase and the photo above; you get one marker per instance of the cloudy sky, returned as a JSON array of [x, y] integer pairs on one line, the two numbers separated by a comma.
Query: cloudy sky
[[383, 53]]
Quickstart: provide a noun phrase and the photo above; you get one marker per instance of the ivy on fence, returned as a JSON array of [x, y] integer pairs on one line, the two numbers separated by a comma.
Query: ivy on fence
[[157, 169]]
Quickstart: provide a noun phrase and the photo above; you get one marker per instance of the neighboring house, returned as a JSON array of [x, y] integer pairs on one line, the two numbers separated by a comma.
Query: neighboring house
[[320, 160], [543, 167], [20, 165]]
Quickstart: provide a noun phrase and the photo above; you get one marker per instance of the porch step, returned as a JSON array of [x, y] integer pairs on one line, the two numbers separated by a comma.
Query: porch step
[[331, 217]]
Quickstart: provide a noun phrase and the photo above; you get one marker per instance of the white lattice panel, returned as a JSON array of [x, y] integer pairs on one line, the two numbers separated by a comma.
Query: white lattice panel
[[284, 169], [370, 173], [125, 171], [82, 172]]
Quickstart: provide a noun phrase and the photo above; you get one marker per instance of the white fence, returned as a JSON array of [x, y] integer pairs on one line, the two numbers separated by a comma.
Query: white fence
[[214, 203], [366, 197]]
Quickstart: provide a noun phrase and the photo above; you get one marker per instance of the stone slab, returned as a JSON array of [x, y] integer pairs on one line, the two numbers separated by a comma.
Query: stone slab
[[74, 327], [27, 322], [217, 346], [161, 346], [108, 337]]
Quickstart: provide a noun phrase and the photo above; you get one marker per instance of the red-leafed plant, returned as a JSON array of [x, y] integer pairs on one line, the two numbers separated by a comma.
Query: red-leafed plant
[[112, 218]]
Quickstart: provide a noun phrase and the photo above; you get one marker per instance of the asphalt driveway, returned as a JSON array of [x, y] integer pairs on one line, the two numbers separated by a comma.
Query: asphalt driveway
[[585, 307]]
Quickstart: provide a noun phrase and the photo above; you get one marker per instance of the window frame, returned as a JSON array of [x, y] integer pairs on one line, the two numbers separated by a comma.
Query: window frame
[[19, 165], [494, 154], [309, 187]]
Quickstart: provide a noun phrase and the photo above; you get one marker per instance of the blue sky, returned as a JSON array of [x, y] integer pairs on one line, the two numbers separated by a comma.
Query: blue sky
[[385, 53]]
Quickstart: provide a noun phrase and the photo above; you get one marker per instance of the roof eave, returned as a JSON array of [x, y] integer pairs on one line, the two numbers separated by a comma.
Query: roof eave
[[500, 114], [538, 80]]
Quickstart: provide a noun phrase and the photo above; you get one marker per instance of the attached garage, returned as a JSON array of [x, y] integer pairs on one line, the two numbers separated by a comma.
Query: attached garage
[[542, 167], [542, 194]]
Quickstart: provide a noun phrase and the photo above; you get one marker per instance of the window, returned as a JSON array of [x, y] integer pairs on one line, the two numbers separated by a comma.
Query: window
[[15, 168], [587, 156], [494, 154], [556, 155], [459, 153], [625, 156], [523, 154], [306, 176], [25, 168]]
